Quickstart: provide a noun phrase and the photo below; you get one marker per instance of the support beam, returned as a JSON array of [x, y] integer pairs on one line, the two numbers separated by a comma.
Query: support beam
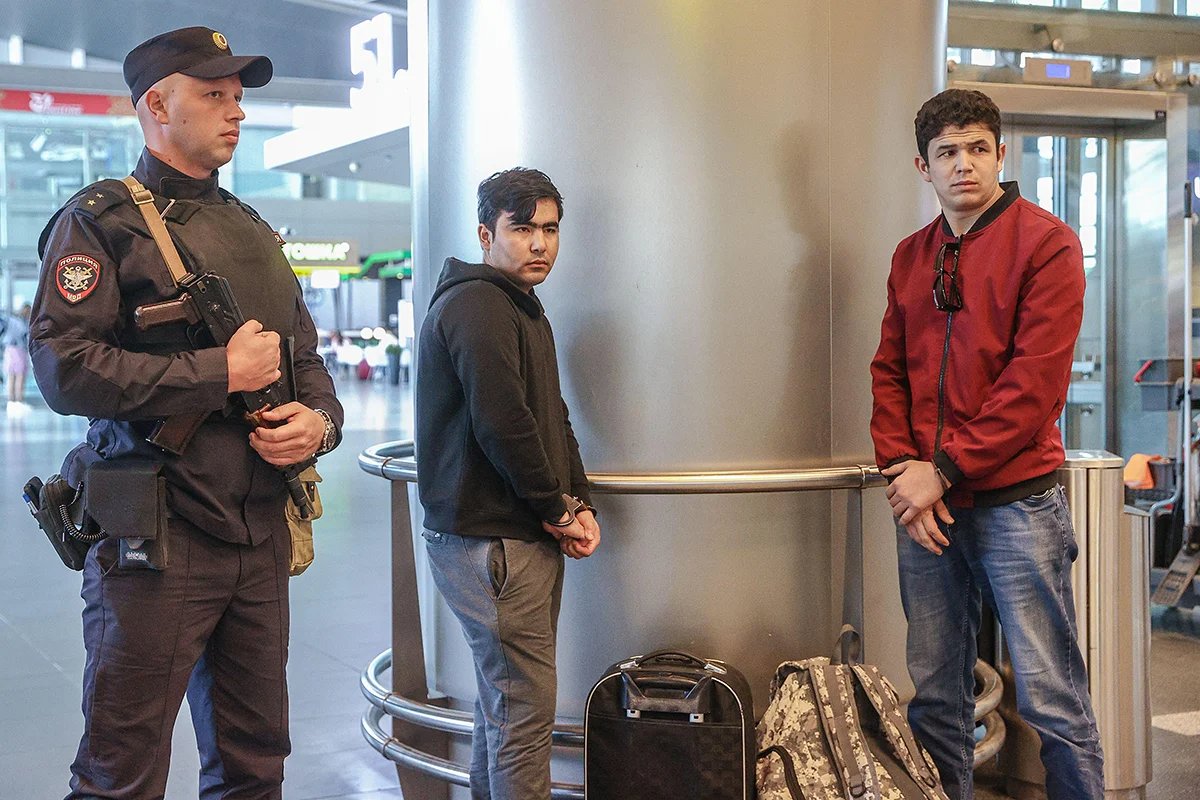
[[302, 91], [1105, 33]]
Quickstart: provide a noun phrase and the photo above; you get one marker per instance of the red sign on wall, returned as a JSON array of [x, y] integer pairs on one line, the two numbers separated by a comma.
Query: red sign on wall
[[65, 104]]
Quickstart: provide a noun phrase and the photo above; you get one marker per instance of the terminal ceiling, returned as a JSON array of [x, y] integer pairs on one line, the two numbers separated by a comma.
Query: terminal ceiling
[[304, 38]]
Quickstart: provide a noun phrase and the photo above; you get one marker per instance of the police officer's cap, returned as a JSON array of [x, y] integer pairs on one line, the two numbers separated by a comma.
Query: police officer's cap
[[199, 52]]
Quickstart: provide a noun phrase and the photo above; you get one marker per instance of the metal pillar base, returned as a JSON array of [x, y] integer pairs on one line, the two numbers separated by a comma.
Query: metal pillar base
[[1023, 790], [1020, 790], [1126, 794]]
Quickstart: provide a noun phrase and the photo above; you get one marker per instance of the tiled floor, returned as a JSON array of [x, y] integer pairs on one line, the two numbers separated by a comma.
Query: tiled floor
[[340, 619]]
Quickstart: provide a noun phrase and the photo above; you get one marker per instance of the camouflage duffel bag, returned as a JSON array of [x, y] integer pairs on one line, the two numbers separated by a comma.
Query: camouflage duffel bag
[[834, 730]]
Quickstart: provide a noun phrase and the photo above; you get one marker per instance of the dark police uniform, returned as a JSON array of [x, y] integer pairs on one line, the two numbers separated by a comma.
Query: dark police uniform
[[222, 603]]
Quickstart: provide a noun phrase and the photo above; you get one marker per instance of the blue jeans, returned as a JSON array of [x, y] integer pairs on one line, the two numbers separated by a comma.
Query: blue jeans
[[1017, 558], [506, 595]]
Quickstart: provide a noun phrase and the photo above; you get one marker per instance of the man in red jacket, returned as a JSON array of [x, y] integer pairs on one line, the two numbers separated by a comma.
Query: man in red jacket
[[968, 385]]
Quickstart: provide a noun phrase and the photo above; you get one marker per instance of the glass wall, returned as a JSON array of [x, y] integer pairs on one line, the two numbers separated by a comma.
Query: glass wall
[[1184, 7], [1109, 181], [46, 158]]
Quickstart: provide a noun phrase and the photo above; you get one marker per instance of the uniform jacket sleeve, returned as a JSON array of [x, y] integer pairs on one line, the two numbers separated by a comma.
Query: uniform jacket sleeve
[[1035, 380], [314, 386], [482, 339], [77, 357], [891, 431]]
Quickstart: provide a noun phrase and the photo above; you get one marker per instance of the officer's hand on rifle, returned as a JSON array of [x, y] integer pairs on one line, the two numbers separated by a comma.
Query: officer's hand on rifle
[[252, 356], [297, 437]]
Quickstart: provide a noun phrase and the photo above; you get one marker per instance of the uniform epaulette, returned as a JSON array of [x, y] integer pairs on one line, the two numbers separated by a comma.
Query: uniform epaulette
[[91, 201], [99, 197]]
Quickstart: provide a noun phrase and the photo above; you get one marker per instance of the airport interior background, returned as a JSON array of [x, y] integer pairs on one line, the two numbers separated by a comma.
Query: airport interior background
[[716, 303]]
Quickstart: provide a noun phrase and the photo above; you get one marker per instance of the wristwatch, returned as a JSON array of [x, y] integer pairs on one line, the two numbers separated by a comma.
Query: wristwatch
[[329, 438]]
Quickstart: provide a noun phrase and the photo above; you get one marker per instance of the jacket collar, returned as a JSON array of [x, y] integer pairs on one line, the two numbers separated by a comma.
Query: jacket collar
[[165, 181], [1011, 194]]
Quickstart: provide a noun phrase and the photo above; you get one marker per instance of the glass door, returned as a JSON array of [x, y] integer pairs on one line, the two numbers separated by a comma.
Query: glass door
[[1109, 184]]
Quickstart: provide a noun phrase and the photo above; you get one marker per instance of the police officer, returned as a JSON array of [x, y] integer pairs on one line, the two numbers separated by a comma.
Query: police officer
[[214, 621]]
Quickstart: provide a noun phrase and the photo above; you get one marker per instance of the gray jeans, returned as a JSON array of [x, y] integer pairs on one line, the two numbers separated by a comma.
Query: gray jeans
[[506, 594]]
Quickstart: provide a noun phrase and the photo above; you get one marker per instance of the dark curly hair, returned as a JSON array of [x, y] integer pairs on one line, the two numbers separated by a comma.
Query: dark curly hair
[[957, 108], [516, 191]]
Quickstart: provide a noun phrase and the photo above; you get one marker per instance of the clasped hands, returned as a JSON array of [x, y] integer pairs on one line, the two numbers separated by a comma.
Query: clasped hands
[[252, 358], [580, 538], [915, 494]]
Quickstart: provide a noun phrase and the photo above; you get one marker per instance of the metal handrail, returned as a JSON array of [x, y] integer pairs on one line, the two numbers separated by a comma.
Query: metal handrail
[[440, 768], [395, 461], [570, 734], [992, 691], [994, 734], [386, 703], [566, 734], [391, 460]]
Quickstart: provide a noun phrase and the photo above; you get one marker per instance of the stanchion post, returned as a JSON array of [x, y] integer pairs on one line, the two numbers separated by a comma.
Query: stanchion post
[[408, 652], [852, 580]]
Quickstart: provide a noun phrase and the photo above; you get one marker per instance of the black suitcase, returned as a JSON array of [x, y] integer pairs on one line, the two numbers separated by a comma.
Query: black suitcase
[[669, 726]]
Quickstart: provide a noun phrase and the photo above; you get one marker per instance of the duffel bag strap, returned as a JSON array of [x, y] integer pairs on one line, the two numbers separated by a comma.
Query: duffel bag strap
[[895, 727], [841, 727], [848, 649], [789, 769]]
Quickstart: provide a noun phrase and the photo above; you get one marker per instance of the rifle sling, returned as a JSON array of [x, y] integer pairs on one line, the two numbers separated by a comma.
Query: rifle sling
[[174, 433], [144, 200]]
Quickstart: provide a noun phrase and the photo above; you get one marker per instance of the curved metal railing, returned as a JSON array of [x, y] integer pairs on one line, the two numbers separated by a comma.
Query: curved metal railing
[[395, 462], [991, 692], [384, 702]]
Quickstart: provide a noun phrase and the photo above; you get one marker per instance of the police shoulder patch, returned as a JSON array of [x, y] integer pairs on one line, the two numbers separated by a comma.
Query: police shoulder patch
[[76, 276]]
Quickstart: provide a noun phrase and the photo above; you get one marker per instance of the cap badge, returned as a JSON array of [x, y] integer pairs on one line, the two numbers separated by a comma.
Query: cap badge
[[220, 41]]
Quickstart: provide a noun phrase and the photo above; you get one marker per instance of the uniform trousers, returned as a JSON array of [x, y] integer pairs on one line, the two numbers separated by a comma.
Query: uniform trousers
[[506, 595], [213, 624], [1016, 558]]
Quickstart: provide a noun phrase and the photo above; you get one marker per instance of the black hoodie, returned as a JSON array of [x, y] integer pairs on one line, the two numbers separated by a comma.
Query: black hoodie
[[495, 450]]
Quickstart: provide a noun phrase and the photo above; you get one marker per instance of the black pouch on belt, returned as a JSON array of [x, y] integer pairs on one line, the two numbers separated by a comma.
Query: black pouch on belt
[[128, 498]]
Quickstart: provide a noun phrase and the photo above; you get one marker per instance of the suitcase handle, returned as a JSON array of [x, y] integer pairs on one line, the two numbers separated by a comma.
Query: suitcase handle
[[695, 701], [673, 658]]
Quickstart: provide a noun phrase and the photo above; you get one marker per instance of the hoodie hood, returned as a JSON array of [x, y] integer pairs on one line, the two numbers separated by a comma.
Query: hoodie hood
[[455, 272]]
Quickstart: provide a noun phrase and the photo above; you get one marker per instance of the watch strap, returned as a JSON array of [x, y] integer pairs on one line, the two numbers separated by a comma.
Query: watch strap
[[329, 438]]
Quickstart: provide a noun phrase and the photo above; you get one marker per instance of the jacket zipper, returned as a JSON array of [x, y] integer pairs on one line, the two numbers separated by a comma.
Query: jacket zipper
[[937, 442]]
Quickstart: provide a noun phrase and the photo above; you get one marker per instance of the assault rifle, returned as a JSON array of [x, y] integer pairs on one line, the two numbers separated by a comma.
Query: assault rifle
[[208, 300]]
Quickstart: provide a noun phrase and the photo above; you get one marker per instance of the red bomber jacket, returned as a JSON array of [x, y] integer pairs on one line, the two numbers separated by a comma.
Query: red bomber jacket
[[978, 391]]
